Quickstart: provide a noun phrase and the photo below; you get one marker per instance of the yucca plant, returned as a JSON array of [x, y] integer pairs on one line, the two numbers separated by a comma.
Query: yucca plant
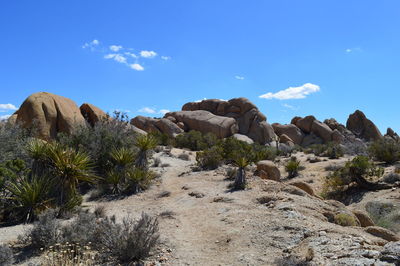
[[122, 157], [144, 143], [29, 196], [70, 167], [38, 151], [240, 180], [138, 179], [114, 178], [292, 167]]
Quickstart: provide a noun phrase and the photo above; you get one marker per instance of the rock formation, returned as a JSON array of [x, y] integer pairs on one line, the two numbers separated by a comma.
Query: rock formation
[[50, 113], [92, 114], [362, 127]]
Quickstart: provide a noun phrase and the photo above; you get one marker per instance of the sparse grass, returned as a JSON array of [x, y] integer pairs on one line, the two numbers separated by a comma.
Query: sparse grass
[[345, 219], [69, 254]]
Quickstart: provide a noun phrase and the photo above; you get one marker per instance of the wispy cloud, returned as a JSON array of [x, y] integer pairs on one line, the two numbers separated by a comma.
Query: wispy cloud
[[300, 92], [288, 106], [91, 44], [123, 55], [136, 67], [149, 110], [239, 77], [5, 107], [117, 57], [115, 48], [4, 117], [353, 50], [148, 54]]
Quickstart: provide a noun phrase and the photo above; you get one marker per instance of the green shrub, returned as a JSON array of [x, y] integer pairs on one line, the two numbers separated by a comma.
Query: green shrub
[[195, 140], [354, 173], [332, 150], [210, 159], [46, 231], [292, 167], [345, 219], [386, 150]]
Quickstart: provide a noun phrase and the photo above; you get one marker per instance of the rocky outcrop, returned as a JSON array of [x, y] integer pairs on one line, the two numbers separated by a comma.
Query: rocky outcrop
[[362, 127], [92, 114], [243, 138], [363, 218], [145, 123], [250, 121], [305, 123], [206, 122], [391, 134], [168, 127], [50, 114], [321, 130], [382, 233], [290, 130]]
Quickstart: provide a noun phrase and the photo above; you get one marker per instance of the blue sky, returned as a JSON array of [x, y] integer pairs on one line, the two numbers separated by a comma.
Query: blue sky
[[152, 56]]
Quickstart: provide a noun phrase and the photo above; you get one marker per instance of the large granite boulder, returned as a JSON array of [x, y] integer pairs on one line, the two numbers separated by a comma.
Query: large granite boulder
[[321, 130], [362, 127], [207, 122], [145, 123], [290, 130], [305, 123], [250, 121], [50, 114], [92, 114], [168, 127], [268, 170]]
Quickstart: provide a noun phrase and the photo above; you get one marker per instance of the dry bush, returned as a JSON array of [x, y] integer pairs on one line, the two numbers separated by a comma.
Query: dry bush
[[184, 156], [69, 254], [6, 255], [345, 219]]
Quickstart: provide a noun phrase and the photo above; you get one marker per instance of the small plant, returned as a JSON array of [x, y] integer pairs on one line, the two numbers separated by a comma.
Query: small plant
[[6, 255], [386, 150], [240, 180], [46, 231], [195, 140], [145, 143], [69, 254], [345, 219], [333, 151], [156, 162], [292, 167], [209, 159]]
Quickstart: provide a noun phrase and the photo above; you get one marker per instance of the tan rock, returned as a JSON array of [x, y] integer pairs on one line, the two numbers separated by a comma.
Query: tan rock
[[364, 218], [337, 136], [92, 114], [362, 127], [50, 113], [243, 138], [268, 170], [285, 139], [167, 127], [292, 131], [382, 233], [305, 123], [303, 186], [145, 123], [206, 122], [321, 130]]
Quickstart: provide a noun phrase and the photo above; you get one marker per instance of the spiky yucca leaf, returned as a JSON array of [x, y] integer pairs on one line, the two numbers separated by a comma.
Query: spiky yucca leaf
[[122, 157], [144, 143]]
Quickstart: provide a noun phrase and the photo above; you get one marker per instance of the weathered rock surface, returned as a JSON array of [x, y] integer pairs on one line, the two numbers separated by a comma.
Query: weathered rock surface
[[50, 113], [290, 130], [168, 127], [321, 130], [250, 121], [362, 127], [303, 186], [207, 122], [268, 170], [305, 123], [243, 138], [382, 233], [363, 218], [92, 114], [145, 123]]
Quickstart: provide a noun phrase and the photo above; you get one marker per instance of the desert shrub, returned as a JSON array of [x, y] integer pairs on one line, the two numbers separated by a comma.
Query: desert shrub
[[391, 178], [384, 214], [145, 144], [13, 139], [397, 169], [292, 167], [345, 219], [162, 138], [195, 140], [230, 173], [6, 255], [332, 150], [184, 156], [210, 159], [354, 173], [130, 241], [386, 150], [157, 162], [46, 231], [106, 135]]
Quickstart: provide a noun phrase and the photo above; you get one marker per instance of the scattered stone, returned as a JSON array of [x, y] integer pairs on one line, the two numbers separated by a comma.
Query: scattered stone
[[303, 186], [364, 218], [268, 170], [196, 194]]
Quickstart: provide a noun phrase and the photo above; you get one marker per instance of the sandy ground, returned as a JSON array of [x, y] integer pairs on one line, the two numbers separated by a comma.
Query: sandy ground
[[210, 225]]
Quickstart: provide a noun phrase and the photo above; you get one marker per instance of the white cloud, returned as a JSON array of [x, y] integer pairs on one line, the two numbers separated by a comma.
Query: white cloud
[[131, 54], [4, 117], [148, 54], [239, 77], [348, 50], [147, 110], [164, 111], [115, 48], [91, 44], [288, 106], [137, 67], [292, 92], [117, 57], [353, 50], [7, 107], [165, 58]]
